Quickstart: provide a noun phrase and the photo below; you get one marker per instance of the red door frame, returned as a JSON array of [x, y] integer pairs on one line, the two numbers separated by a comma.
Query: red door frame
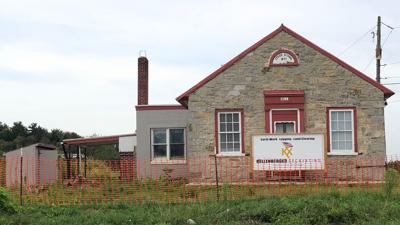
[[283, 100]]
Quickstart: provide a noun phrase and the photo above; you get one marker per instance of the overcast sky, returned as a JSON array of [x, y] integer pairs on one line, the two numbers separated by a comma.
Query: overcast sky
[[73, 64]]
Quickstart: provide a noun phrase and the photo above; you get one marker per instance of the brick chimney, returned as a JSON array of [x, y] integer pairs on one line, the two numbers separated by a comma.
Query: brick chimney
[[143, 80]]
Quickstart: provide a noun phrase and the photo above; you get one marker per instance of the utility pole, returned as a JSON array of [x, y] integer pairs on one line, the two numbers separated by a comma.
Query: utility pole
[[378, 52]]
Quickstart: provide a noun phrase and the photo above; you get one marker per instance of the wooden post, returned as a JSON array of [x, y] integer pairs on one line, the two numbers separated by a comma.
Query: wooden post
[[378, 52], [216, 175]]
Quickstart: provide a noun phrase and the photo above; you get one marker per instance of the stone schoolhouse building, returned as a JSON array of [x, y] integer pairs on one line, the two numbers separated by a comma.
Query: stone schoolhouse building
[[282, 84]]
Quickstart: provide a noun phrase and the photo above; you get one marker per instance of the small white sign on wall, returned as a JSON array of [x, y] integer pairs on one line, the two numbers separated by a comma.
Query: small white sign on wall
[[288, 152], [127, 144], [283, 58]]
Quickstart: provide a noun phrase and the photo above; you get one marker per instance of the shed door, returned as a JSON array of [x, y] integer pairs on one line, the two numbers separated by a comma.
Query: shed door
[[47, 166]]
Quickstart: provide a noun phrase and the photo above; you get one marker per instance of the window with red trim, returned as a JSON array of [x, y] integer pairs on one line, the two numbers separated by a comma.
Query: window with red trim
[[342, 135], [229, 132]]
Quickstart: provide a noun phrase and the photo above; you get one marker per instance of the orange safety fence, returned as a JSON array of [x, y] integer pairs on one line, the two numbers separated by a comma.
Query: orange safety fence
[[196, 178], [2, 172]]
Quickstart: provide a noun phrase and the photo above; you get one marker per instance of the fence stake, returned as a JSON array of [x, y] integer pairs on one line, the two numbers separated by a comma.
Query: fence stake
[[216, 174]]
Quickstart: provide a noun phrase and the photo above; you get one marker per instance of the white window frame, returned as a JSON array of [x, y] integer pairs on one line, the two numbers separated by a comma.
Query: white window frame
[[230, 153], [342, 152], [167, 159], [284, 109], [292, 121]]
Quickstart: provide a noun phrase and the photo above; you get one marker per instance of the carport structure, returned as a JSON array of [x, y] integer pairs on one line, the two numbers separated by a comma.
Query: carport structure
[[77, 149]]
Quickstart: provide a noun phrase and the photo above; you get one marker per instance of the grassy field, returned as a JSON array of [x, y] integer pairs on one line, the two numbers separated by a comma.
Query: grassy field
[[324, 208]]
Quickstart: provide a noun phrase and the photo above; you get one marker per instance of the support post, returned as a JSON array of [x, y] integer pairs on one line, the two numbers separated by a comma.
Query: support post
[[85, 161], [79, 160], [21, 180], [60, 164], [69, 167]]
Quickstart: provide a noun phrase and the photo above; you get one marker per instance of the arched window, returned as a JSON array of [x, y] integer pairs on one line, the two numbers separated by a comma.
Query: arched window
[[283, 57]]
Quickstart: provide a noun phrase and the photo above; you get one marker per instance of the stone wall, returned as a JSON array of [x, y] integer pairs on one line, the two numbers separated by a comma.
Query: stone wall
[[326, 84], [229, 169]]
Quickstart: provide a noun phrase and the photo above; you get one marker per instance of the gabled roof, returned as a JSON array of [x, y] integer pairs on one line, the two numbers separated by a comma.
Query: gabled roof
[[184, 97]]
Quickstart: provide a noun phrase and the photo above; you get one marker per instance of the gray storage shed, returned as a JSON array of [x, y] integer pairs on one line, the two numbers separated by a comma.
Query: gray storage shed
[[39, 165]]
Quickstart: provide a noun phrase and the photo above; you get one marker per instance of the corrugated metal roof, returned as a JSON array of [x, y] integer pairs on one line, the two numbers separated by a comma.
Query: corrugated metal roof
[[96, 140]]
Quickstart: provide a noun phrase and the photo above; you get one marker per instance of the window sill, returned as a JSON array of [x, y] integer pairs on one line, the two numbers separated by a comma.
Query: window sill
[[167, 162], [342, 153], [230, 154]]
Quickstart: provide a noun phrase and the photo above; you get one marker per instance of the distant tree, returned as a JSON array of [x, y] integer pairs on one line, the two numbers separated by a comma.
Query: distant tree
[[30, 140], [56, 135], [103, 152], [69, 135], [5, 132], [41, 134], [18, 129], [2, 146], [18, 136], [19, 142]]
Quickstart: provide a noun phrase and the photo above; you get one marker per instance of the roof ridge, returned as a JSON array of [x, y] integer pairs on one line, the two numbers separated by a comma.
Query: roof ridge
[[347, 66], [181, 98]]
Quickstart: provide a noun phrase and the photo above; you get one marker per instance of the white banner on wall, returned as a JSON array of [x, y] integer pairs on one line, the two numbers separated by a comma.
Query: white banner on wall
[[288, 152]]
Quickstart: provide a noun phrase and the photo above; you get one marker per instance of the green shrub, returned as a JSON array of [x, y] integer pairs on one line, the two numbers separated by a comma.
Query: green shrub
[[251, 192], [391, 182], [5, 204]]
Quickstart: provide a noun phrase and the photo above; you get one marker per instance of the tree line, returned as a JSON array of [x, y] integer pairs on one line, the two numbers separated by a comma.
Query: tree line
[[18, 135]]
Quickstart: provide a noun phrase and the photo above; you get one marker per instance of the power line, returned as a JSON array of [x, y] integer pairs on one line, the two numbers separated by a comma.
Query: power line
[[384, 42], [388, 26], [357, 40], [392, 63], [387, 37], [391, 84], [369, 63], [390, 77], [395, 101]]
